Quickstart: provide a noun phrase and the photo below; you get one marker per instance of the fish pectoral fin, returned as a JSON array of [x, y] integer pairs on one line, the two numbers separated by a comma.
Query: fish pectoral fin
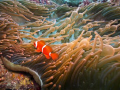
[[47, 56], [38, 50]]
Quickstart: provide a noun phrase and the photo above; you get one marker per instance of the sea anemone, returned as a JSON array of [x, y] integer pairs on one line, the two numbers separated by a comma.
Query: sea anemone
[[85, 38]]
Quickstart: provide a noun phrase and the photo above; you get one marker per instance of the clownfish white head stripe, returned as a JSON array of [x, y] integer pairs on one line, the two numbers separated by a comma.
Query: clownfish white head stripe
[[49, 53], [43, 47], [36, 44]]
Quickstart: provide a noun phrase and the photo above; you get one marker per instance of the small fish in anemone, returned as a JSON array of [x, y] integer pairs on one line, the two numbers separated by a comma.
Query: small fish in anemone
[[47, 50], [86, 38]]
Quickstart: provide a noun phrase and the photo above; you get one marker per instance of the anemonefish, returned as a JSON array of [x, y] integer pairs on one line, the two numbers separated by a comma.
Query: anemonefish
[[45, 49]]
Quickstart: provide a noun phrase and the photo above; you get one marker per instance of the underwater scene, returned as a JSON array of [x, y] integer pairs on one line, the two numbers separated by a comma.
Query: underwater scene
[[59, 44]]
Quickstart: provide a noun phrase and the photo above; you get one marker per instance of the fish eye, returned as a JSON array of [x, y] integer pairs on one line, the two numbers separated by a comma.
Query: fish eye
[[34, 44]]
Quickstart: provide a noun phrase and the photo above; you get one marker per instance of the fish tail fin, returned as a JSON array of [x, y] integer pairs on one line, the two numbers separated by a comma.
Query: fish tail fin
[[54, 56]]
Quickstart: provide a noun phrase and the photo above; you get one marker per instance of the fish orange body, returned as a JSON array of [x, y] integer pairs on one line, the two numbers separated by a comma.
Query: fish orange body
[[45, 49]]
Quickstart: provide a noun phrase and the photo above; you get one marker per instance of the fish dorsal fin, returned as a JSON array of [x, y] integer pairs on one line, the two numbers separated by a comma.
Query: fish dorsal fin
[[41, 41]]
